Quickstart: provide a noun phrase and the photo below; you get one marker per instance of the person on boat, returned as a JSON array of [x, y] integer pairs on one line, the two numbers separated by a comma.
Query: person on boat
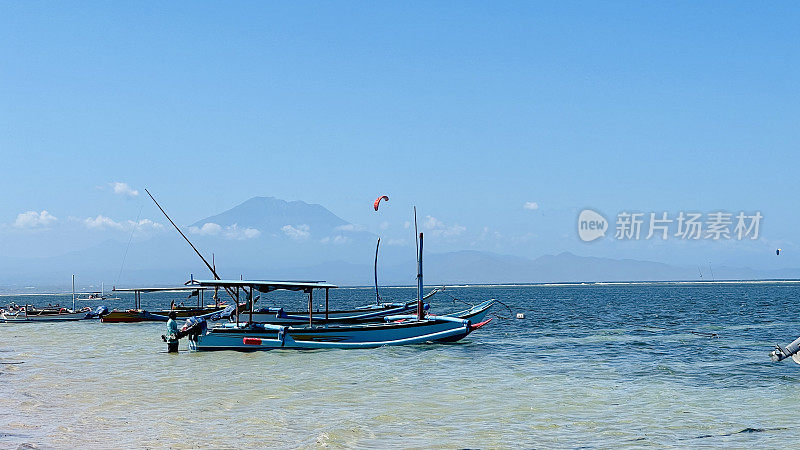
[[172, 333]]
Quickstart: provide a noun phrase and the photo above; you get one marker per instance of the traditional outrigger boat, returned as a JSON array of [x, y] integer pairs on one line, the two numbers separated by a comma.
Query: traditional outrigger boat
[[393, 330], [57, 313], [396, 330], [138, 314], [29, 313]]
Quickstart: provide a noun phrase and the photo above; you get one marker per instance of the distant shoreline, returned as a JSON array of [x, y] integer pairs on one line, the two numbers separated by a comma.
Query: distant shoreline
[[488, 285]]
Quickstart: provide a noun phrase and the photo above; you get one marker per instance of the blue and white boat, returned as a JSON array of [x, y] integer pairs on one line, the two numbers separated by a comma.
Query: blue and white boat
[[393, 330]]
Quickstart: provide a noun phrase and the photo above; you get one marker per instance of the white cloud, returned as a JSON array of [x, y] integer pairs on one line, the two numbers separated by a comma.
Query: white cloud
[[455, 230], [102, 222], [432, 223], [436, 227], [32, 219], [146, 224], [120, 188], [488, 233], [384, 225], [533, 206], [230, 232], [234, 232], [298, 232], [208, 229], [335, 240], [407, 225], [350, 227]]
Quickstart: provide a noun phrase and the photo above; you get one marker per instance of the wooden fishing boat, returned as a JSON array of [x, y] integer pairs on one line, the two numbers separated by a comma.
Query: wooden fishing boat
[[57, 313], [393, 330], [396, 330], [29, 313], [160, 315], [138, 314]]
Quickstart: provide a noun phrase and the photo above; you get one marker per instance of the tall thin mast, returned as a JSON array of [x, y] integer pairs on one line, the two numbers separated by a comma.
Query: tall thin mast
[[420, 308], [73, 292], [216, 288], [416, 241]]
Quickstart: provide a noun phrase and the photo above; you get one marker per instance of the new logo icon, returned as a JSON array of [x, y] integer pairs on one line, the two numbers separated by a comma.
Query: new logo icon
[[591, 225]]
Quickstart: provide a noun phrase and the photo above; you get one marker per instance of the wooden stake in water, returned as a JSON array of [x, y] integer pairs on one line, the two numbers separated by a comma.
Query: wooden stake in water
[[377, 295]]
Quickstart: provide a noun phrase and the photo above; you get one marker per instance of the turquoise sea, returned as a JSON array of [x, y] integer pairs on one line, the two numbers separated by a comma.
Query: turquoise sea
[[596, 365]]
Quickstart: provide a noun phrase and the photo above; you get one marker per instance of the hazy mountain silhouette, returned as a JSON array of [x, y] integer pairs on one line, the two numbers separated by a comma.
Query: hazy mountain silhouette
[[270, 215]]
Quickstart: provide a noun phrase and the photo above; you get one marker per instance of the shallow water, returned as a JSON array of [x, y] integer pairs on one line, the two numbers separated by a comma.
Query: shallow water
[[595, 365]]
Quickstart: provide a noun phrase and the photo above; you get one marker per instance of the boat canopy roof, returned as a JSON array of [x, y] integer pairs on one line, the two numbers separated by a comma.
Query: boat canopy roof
[[267, 286], [160, 289]]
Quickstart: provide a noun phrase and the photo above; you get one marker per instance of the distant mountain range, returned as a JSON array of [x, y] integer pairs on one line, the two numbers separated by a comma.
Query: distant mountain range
[[268, 238]]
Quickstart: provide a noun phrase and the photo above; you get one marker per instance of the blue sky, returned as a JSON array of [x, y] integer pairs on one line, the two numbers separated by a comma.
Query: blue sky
[[466, 109]]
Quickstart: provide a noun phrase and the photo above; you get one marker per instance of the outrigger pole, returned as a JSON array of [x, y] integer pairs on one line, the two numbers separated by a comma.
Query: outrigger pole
[[213, 272]]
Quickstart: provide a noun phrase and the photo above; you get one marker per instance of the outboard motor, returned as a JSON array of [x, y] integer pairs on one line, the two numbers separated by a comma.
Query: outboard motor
[[193, 327], [791, 350], [99, 312], [228, 311]]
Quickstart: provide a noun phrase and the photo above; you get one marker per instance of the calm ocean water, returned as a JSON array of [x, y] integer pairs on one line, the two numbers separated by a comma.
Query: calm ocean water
[[589, 366]]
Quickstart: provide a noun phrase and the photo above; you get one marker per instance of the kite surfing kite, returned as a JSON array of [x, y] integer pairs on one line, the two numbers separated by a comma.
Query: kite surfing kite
[[383, 197], [778, 252]]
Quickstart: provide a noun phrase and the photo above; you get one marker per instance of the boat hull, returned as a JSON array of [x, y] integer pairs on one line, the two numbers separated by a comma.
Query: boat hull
[[141, 315], [403, 331], [58, 317]]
